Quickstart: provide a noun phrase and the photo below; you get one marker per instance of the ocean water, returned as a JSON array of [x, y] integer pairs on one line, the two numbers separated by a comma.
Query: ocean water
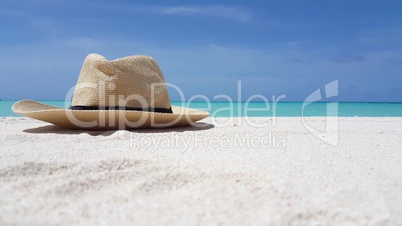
[[261, 109]]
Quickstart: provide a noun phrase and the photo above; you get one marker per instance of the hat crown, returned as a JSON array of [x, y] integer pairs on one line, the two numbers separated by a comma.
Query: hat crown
[[133, 81]]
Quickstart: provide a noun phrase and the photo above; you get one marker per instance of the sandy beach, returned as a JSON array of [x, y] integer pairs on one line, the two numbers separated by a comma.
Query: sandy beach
[[217, 174]]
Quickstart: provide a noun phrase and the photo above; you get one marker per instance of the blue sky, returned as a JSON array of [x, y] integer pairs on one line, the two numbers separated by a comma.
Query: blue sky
[[205, 47]]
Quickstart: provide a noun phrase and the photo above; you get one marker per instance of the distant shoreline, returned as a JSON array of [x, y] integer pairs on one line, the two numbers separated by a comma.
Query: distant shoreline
[[176, 101], [261, 109]]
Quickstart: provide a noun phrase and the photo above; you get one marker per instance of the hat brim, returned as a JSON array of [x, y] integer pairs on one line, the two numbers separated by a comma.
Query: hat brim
[[107, 119]]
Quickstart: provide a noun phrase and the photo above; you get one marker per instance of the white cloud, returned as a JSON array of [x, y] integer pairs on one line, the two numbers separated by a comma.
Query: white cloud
[[205, 69], [233, 13], [349, 59], [8, 12], [215, 11]]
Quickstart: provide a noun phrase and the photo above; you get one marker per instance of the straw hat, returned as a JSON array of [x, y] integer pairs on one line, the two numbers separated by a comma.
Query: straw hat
[[125, 93]]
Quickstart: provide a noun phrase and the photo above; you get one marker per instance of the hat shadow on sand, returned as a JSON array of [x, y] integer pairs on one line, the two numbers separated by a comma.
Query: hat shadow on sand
[[53, 129]]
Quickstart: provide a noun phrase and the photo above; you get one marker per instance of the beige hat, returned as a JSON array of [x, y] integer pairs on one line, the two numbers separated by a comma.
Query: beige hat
[[125, 93]]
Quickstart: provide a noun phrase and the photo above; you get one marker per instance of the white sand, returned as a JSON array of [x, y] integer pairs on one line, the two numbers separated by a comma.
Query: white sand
[[52, 176]]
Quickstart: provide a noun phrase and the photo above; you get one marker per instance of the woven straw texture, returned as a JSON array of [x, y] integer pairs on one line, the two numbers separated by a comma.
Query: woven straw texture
[[107, 119], [134, 81]]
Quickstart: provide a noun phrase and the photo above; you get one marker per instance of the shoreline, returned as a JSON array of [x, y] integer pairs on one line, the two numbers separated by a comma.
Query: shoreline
[[279, 109], [229, 174]]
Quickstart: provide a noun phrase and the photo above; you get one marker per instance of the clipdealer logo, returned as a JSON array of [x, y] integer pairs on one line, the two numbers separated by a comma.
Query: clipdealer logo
[[143, 142], [328, 135]]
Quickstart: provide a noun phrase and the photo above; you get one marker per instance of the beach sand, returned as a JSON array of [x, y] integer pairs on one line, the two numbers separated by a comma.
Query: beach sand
[[232, 174]]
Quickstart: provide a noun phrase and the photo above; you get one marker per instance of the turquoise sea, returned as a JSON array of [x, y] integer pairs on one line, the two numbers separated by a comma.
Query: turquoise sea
[[261, 109]]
